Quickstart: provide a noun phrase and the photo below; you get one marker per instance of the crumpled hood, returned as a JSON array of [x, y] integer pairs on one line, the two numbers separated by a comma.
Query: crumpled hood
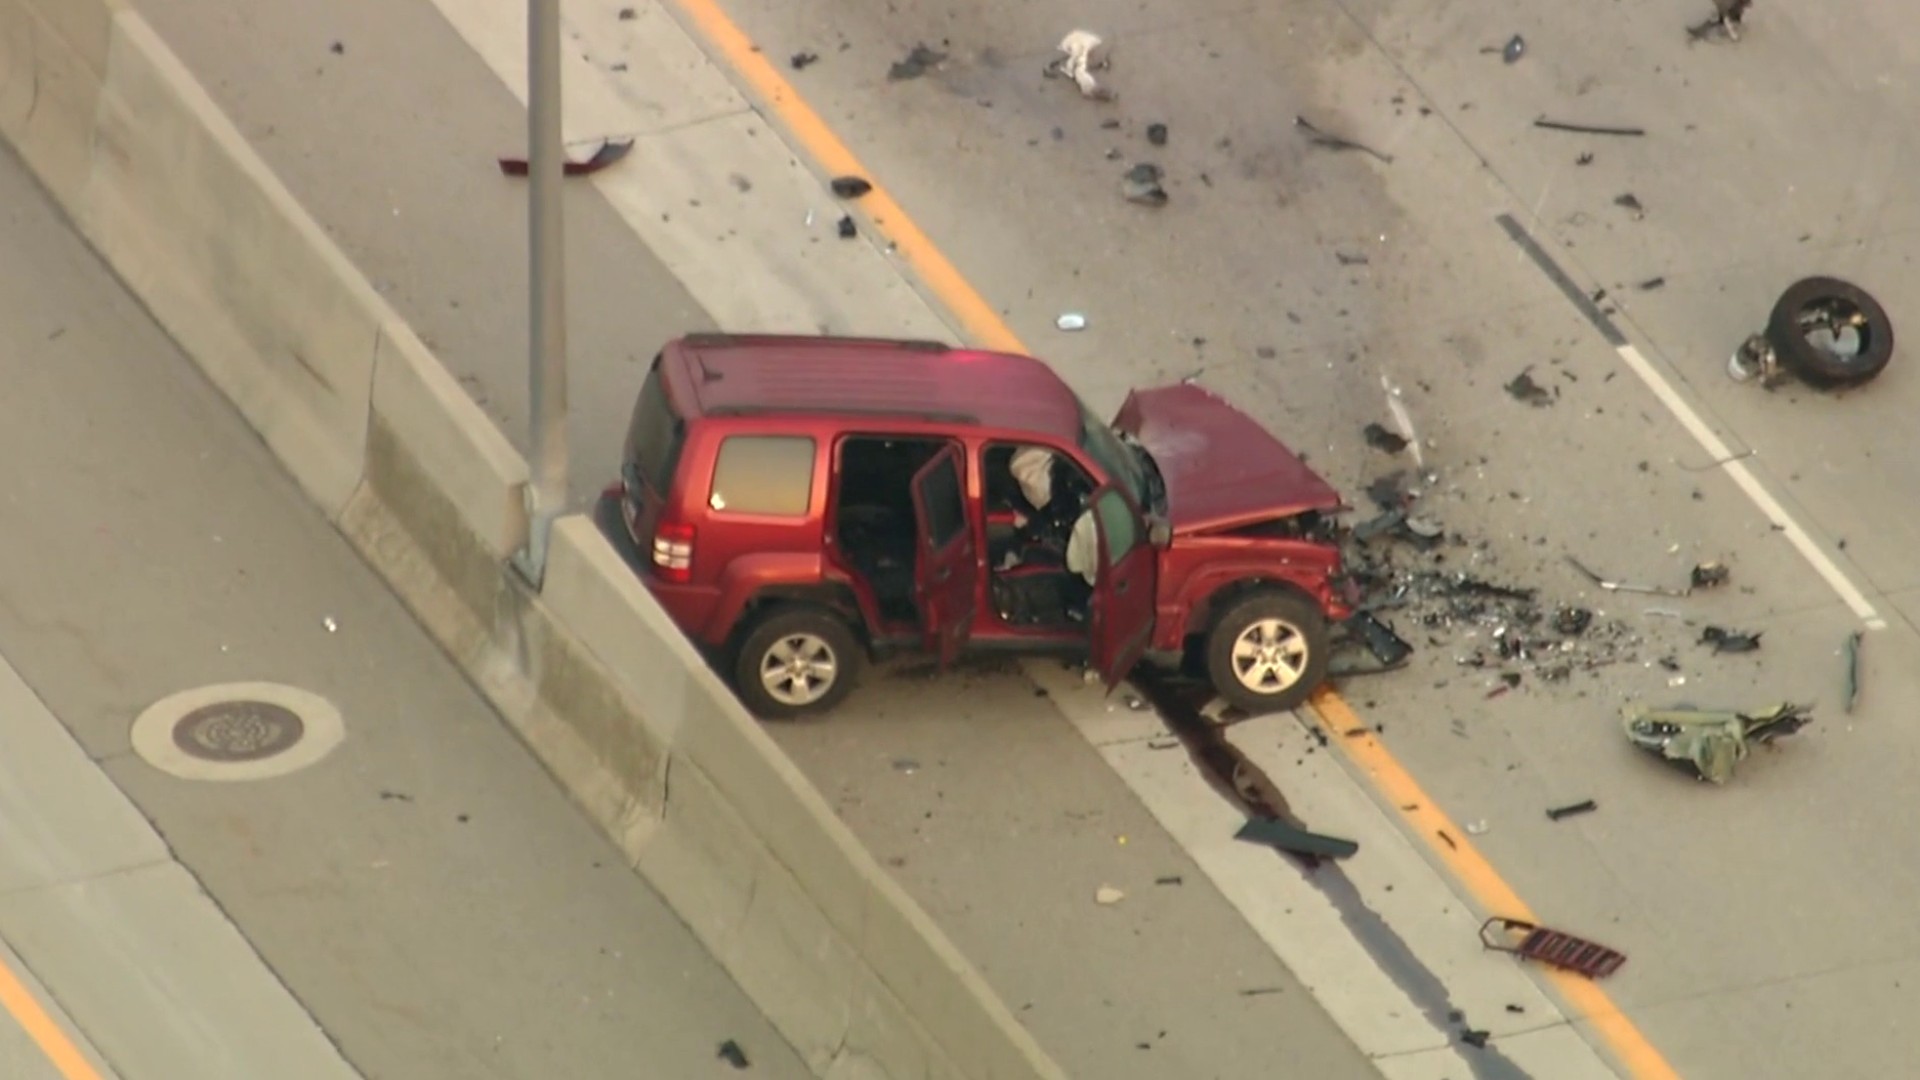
[[1222, 469]]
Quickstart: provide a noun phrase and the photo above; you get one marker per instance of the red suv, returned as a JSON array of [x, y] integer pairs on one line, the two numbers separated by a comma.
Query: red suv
[[799, 503]]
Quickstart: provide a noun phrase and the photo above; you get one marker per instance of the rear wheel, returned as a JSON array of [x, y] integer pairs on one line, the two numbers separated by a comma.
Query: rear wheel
[[796, 659], [1267, 652]]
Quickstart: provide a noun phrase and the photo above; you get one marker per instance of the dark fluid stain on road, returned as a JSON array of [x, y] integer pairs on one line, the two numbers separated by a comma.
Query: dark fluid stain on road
[[1179, 702]]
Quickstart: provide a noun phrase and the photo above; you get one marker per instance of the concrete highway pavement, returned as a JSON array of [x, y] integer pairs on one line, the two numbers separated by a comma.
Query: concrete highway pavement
[[1293, 278], [425, 891]]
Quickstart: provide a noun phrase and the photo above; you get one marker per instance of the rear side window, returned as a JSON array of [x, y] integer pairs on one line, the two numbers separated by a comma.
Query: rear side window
[[1119, 525], [763, 474], [946, 512], [653, 435]]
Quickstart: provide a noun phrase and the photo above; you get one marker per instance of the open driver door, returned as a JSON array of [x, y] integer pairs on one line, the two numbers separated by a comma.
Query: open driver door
[[946, 565], [1121, 611]]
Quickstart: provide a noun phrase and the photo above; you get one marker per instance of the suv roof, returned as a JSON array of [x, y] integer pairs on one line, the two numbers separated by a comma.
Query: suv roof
[[752, 374]]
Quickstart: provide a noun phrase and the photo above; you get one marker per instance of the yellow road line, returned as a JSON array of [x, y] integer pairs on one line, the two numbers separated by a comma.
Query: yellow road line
[[42, 1028], [986, 329]]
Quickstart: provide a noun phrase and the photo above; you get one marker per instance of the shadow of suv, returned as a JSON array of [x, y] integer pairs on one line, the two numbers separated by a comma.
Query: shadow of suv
[[799, 503]]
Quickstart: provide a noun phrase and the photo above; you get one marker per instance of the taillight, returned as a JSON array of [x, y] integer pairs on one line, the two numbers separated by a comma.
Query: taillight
[[673, 552]]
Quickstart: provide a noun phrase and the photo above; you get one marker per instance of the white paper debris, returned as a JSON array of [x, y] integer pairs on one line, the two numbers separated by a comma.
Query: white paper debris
[[1081, 58], [1071, 321], [1107, 895]]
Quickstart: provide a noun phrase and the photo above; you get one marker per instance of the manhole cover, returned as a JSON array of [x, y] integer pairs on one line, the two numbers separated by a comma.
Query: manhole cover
[[237, 731]]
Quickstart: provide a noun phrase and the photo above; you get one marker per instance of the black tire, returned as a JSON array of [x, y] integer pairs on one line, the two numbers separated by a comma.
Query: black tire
[[1299, 620], [805, 629], [1821, 366]]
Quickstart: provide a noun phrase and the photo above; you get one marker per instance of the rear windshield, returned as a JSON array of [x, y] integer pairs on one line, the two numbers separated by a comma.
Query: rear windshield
[[653, 436]]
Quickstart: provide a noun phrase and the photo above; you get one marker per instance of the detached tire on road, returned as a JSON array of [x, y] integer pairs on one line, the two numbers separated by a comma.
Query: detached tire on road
[[794, 660], [1830, 332], [1267, 651]]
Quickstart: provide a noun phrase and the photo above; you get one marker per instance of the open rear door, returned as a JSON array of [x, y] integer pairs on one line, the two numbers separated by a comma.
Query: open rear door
[[1120, 616], [946, 565]]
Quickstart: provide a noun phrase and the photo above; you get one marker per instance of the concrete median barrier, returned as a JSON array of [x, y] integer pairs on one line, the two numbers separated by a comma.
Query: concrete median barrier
[[591, 672]]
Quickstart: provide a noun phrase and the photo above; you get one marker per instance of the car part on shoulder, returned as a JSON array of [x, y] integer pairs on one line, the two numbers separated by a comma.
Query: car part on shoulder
[[1827, 332], [607, 153], [1553, 947], [1384, 649], [1267, 651], [794, 660], [1710, 742], [1283, 836]]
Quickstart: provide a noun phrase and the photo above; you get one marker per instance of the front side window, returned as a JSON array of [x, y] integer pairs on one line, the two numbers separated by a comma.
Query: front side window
[[764, 474]]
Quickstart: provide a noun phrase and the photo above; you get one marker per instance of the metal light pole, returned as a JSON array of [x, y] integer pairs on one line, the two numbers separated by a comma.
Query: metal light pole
[[547, 340]]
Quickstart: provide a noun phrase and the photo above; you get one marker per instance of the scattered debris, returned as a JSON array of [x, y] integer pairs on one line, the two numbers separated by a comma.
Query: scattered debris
[[1547, 946], [627, 14], [1257, 991], [1512, 51], [1170, 879], [1853, 670], [1572, 621], [330, 624], [1584, 806], [1710, 742], [1710, 575], [1652, 283], [1336, 142], [606, 153], [1729, 641], [1584, 159], [395, 796], [1726, 19], [1345, 259], [918, 62], [731, 1053], [1516, 1008], [1523, 388], [1383, 440], [1081, 54], [1282, 836], [1402, 419], [1621, 586], [1141, 185], [338, 48], [800, 60], [850, 187], [906, 765], [1475, 1037], [1587, 129], [1107, 896], [1157, 134], [1630, 203], [846, 228], [1478, 828], [1071, 321]]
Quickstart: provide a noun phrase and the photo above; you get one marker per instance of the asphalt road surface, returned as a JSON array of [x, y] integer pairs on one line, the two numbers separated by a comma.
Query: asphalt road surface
[[1764, 921], [425, 891]]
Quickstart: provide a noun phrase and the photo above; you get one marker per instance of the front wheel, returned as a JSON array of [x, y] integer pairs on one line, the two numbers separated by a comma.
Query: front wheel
[[796, 659], [1267, 652]]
